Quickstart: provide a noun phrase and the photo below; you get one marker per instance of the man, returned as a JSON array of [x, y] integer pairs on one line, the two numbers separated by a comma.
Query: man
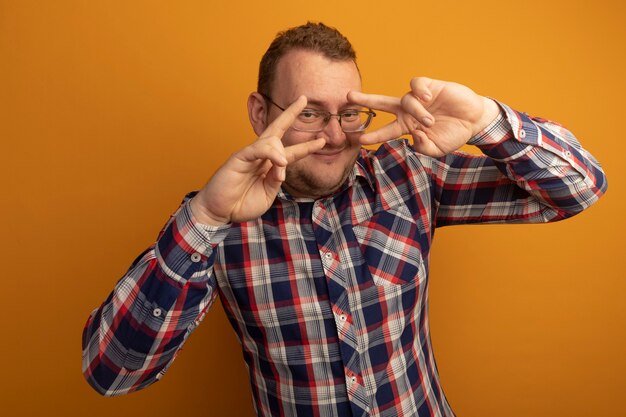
[[319, 249]]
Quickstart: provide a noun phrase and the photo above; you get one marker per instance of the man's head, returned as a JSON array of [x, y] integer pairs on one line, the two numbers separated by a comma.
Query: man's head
[[318, 62], [314, 37]]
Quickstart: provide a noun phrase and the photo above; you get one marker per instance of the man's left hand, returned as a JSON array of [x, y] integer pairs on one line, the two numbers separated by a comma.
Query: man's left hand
[[441, 116]]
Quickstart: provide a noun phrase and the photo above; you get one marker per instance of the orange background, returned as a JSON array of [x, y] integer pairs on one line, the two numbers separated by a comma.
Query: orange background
[[110, 111]]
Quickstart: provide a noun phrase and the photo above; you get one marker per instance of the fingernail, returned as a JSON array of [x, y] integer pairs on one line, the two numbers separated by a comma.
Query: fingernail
[[426, 96], [427, 121]]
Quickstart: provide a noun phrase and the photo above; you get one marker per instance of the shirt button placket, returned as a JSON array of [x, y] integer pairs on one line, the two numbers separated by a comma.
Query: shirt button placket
[[351, 381], [344, 325]]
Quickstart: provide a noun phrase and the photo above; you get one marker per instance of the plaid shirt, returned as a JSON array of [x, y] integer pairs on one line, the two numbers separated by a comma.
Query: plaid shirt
[[329, 297]]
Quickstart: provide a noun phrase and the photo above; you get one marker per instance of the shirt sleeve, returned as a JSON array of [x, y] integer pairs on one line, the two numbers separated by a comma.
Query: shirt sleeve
[[531, 170], [129, 342]]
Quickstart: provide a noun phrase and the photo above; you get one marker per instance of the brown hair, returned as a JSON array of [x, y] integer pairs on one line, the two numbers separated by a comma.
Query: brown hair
[[311, 36]]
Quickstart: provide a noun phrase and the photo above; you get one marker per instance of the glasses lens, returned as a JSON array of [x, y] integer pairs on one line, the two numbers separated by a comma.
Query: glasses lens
[[310, 121], [355, 121], [316, 121]]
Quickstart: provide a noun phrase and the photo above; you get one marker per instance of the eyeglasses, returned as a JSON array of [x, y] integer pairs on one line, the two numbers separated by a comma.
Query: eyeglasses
[[311, 120]]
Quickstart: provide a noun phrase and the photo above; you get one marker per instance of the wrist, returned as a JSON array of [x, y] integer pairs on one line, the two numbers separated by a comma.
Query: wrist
[[203, 216], [491, 111]]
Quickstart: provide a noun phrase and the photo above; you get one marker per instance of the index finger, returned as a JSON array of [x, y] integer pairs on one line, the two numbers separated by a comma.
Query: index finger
[[284, 121], [375, 101]]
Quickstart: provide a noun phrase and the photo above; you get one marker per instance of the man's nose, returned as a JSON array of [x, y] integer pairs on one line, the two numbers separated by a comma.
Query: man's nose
[[335, 136]]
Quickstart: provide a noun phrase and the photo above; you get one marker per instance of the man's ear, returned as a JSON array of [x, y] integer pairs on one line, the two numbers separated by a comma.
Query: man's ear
[[257, 112]]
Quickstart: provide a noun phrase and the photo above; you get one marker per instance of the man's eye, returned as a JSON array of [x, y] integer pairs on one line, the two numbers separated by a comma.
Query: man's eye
[[350, 115], [309, 115]]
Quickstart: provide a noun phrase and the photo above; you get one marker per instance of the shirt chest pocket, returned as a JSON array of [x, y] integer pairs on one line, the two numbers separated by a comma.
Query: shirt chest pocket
[[391, 245]]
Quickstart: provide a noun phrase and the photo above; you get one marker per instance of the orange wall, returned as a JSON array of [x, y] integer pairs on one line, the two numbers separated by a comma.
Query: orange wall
[[110, 111]]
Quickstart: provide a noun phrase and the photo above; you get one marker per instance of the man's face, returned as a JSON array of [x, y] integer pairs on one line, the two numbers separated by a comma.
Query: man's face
[[325, 83]]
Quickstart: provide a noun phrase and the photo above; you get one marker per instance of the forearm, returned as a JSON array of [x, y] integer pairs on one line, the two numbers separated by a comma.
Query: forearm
[[547, 160], [534, 170], [131, 339]]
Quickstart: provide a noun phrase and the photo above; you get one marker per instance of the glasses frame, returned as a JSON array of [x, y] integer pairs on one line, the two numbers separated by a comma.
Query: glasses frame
[[327, 116]]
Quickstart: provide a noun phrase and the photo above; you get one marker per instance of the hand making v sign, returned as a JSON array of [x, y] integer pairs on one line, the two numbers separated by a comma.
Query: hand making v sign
[[248, 182], [441, 116]]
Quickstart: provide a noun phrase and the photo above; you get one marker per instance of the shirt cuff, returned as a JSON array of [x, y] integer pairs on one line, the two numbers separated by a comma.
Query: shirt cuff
[[509, 136], [185, 250], [497, 131]]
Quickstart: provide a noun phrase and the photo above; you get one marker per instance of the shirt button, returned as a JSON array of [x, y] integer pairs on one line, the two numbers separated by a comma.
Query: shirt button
[[328, 256], [352, 379], [157, 312], [522, 133], [342, 317], [195, 257]]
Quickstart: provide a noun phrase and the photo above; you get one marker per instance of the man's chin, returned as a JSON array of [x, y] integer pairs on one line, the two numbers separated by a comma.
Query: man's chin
[[315, 180]]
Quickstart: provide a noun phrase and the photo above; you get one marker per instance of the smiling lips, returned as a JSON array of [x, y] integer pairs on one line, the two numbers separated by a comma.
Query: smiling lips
[[329, 153]]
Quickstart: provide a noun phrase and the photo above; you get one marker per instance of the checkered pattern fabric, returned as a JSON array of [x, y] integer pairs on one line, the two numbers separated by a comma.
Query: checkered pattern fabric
[[329, 298]]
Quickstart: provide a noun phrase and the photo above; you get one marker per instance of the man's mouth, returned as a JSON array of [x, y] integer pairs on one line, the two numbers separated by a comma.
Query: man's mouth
[[329, 152]]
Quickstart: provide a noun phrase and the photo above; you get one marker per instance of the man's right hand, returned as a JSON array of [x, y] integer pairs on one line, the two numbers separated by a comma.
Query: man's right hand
[[246, 185]]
